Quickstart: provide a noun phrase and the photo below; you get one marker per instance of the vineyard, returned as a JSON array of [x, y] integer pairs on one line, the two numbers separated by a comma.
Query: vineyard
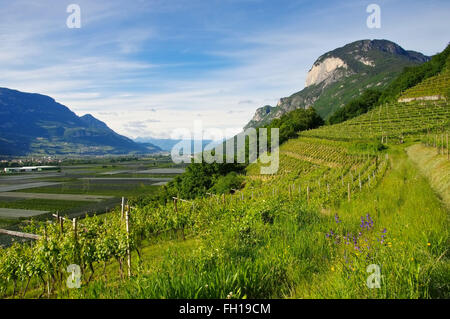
[[437, 87], [102, 239], [345, 196], [390, 121]]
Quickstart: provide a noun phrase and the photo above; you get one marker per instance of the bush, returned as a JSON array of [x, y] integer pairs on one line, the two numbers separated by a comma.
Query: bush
[[225, 184]]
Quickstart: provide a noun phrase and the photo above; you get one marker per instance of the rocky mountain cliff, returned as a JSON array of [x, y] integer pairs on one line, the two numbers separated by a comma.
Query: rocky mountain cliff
[[37, 124], [340, 75]]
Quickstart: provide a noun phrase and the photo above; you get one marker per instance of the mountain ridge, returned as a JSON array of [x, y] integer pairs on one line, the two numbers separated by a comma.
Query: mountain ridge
[[34, 123], [339, 75]]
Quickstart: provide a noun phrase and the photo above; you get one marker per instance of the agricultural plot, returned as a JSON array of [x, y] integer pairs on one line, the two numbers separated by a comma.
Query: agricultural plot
[[394, 120], [87, 198], [75, 191], [46, 205], [10, 188], [102, 186], [437, 87], [27, 176], [130, 179], [8, 213], [162, 171], [114, 172]]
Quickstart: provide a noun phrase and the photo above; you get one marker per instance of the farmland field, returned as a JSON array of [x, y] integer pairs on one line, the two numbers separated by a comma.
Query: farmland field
[[78, 189], [41, 205], [114, 187], [19, 211]]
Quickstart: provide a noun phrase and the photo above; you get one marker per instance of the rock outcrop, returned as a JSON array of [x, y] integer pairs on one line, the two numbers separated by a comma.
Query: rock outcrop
[[324, 70]]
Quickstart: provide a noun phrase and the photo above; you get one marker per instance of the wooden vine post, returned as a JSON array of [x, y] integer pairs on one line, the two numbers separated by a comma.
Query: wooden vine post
[[75, 240], [123, 208], [307, 194], [348, 191], [74, 225], [60, 221], [127, 223], [175, 207], [448, 153]]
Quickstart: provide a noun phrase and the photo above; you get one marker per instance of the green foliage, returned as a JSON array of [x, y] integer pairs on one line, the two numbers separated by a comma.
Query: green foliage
[[356, 107], [198, 179], [224, 184], [296, 121], [369, 147], [412, 76]]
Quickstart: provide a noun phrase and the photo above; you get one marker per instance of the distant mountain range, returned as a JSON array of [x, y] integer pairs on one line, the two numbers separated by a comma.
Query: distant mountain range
[[36, 124], [168, 144], [341, 75]]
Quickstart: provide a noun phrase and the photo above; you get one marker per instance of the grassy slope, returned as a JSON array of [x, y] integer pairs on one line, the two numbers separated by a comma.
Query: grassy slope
[[415, 262], [435, 167]]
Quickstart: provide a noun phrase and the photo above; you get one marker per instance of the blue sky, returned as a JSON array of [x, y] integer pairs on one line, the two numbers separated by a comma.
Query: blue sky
[[149, 67]]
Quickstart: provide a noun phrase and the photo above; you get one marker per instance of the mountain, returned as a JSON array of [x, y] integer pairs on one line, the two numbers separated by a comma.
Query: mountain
[[340, 75], [37, 124]]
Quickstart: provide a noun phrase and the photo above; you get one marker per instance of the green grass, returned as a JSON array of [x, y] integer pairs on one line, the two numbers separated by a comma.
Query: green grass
[[7, 222], [436, 167]]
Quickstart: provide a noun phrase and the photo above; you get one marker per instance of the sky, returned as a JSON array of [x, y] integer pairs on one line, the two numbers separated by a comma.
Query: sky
[[148, 68]]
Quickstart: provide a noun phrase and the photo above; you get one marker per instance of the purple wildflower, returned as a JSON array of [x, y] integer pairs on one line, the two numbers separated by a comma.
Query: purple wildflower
[[336, 218]]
